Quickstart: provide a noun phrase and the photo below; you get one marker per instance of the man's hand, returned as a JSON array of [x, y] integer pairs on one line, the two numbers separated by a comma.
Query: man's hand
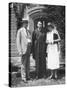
[[21, 53], [29, 40]]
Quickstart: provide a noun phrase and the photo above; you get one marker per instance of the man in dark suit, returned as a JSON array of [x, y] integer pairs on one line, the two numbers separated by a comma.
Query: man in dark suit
[[39, 50]]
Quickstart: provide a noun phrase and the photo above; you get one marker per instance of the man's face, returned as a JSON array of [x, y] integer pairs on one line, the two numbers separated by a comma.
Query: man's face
[[25, 25], [39, 25]]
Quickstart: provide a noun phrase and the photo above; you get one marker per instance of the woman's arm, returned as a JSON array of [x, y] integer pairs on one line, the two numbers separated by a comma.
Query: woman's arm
[[47, 38], [58, 37]]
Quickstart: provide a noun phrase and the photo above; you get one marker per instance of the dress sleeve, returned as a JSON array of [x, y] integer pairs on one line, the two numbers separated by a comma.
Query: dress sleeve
[[46, 38], [56, 36]]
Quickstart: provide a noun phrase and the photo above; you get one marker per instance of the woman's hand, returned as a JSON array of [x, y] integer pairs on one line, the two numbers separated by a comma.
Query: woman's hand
[[58, 40]]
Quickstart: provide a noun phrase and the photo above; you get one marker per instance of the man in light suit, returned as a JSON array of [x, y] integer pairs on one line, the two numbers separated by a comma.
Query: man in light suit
[[24, 49]]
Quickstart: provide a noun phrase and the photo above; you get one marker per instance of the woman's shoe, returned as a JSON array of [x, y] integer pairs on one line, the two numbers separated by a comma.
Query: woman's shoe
[[56, 77], [50, 77]]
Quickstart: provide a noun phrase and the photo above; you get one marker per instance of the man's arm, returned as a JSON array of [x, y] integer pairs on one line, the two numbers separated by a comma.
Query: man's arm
[[33, 40], [18, 41]]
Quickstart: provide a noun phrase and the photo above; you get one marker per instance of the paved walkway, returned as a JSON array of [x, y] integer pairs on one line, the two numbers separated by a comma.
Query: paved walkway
[[41, 82], [17, 82]]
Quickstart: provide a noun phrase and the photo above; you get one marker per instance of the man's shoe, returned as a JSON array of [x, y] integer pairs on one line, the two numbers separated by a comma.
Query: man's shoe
[[27, 79], [45, 77], [36, 78], [24, 80], [31, 79]]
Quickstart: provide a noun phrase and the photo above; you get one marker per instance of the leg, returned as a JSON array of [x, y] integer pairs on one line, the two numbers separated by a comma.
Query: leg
[[28, 61], [37, 68], [51, 76], [44, 68], [41, 67], [55, 74], [28, 68], [23, 72]]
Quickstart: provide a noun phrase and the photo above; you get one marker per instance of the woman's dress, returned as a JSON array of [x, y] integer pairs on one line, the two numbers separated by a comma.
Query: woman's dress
[[52, 52]]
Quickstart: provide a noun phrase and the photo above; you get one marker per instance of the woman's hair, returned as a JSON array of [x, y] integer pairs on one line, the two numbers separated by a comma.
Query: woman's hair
[[51, 25]]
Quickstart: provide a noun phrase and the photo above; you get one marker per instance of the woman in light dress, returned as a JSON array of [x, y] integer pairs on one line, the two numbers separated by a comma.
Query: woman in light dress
[[53, 49]]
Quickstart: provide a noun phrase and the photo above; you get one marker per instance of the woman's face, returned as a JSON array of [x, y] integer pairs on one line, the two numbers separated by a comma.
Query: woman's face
[[50, 28]]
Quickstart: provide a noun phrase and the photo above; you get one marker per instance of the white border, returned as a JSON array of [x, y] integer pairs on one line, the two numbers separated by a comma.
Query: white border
[[4, 42]]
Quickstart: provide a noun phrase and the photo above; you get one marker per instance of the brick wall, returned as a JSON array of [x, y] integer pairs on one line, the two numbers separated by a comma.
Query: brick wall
[[14, 51]]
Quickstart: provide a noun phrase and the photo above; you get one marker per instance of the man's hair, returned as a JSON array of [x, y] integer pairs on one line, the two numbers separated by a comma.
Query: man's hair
[[39, 22]]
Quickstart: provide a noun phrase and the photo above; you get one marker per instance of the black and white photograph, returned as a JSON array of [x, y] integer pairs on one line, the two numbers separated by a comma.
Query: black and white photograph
[[36, 44]]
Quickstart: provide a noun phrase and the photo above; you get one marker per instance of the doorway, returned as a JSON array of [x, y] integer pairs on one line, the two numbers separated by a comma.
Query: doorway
[[43, 20]]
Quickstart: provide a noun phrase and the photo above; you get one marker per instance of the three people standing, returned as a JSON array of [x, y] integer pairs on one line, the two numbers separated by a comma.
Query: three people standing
[[43, 45]]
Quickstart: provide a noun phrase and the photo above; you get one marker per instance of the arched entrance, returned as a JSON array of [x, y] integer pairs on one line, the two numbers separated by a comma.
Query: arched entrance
[[37, 14]]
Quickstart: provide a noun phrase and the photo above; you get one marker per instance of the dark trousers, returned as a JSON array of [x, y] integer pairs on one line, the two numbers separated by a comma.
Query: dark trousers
[[41, 66], [25, 67]]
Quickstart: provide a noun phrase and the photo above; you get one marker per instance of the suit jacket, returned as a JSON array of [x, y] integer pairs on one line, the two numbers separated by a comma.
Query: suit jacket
[[22, 40]]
